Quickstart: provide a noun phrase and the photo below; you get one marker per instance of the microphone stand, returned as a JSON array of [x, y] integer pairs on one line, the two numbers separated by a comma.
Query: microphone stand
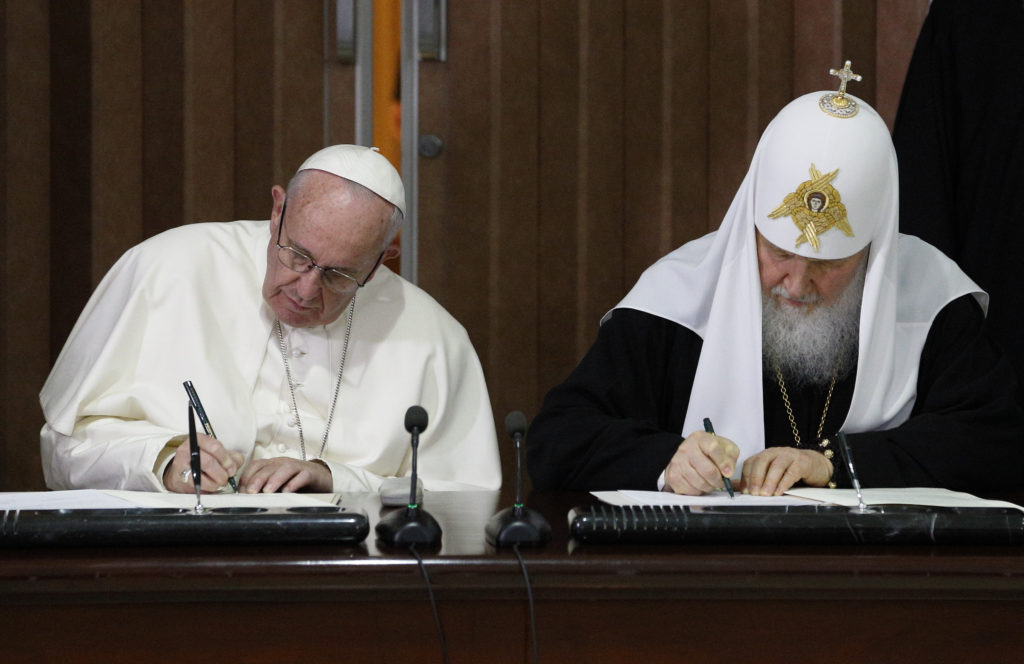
[[412, 525], [517, 524]]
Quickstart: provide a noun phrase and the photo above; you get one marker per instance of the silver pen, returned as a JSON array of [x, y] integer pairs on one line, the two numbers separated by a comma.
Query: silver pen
[[845, 449]]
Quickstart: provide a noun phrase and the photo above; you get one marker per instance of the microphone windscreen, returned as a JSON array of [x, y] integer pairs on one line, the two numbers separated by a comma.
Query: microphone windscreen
[[515, 424], [416, 418]]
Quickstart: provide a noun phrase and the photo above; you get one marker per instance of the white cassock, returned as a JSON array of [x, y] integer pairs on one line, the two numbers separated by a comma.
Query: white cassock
[[187, 305]]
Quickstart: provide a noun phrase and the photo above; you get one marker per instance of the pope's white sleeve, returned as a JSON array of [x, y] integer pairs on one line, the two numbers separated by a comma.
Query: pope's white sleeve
[[104, 453], [460, 451]]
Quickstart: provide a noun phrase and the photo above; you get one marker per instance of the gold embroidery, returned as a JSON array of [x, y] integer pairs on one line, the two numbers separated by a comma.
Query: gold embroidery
[[815, 207]]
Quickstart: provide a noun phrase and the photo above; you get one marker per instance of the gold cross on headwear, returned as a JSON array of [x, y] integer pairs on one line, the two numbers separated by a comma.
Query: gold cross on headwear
[[837, 104], [845, 76]]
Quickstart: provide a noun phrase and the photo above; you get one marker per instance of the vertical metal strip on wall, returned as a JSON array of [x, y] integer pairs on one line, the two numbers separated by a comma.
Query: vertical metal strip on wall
[[410, 131], [364, 72], [353, 45]]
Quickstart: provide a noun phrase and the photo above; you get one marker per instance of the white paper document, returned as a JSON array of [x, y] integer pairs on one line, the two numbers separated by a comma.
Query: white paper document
[[110, 499], [927, 496], [930, 496], [716, 498], [61, 500]]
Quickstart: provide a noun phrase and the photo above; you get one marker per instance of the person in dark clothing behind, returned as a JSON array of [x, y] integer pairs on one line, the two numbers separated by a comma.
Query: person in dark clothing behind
[[959, 136]]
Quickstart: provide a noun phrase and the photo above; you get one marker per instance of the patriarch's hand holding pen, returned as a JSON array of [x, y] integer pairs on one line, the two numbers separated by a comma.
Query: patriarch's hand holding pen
[[700, 463], [218, 463]]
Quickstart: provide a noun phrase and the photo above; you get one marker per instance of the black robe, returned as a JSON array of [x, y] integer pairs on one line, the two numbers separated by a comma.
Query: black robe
[[959, 136], [617, 420]]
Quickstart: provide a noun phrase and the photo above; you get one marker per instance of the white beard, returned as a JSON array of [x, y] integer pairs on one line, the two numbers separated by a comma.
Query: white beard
[[813, 346]]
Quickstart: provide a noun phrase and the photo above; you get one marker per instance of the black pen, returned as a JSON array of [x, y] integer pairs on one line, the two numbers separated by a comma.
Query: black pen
[[197, 469], [728, 483], [193, 398]]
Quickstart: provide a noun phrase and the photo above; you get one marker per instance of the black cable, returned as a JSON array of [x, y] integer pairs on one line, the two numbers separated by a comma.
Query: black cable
[[529, 599], [433, 603]]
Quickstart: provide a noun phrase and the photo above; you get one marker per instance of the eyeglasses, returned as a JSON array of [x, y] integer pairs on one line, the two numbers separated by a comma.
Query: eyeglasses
[[333, 279]]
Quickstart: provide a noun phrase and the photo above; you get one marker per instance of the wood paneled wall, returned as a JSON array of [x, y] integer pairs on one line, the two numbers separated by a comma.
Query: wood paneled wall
[[583, 139], [128, 117]]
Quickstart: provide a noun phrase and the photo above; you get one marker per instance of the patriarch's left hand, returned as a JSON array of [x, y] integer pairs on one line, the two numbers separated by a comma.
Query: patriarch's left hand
[[775, 470]]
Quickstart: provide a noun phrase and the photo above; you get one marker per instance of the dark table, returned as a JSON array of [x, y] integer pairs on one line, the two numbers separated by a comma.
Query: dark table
[[593, 603]]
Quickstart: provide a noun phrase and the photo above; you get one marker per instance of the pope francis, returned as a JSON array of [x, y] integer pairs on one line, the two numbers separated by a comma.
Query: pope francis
[[305, 348]]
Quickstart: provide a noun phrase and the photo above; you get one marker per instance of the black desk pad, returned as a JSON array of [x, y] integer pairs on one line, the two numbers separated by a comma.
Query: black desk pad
[[810, 524], [144, 526]]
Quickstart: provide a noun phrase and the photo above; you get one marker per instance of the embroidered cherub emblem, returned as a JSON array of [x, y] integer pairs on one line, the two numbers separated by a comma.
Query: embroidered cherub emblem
[[815, 207]]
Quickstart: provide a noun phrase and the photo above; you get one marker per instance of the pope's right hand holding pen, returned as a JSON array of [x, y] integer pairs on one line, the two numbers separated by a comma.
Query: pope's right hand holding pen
[[218, 462]]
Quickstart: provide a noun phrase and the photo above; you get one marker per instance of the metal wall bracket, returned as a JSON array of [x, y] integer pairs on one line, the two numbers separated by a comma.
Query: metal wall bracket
[[432, 35]]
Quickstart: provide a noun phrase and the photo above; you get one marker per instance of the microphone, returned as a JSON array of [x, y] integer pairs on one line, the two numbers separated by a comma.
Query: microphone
[[517, 524], [413, 525]]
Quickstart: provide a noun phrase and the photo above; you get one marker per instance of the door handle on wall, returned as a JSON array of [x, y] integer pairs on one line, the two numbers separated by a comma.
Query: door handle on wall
[[430, 145]]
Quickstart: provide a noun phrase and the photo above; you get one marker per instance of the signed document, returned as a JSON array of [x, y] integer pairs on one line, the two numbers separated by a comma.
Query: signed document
[[112, 499], [929, 496], [716, 498], [926, 496]]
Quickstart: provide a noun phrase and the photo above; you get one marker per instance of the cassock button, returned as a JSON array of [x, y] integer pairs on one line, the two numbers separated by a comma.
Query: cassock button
[[282, 448], [292, 421]]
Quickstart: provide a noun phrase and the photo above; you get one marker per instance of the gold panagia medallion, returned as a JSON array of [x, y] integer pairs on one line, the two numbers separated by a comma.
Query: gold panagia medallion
[[815, 207]]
